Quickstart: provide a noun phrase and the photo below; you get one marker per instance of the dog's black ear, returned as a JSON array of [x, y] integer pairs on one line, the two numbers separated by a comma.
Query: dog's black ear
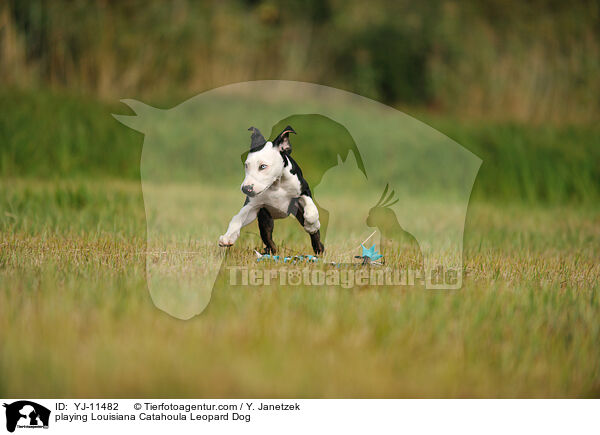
[[283, 140], [258, 140]]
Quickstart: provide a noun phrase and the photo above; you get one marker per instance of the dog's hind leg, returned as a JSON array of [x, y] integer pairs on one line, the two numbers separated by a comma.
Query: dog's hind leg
[[315, 238], [311, 214], [315, 241], [266, 225]]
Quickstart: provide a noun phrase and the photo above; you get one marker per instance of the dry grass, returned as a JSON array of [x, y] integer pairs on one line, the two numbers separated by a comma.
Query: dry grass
[[76, 318]]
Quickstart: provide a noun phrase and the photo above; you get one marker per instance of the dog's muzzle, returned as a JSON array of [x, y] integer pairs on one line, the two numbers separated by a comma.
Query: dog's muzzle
[[249, 190]]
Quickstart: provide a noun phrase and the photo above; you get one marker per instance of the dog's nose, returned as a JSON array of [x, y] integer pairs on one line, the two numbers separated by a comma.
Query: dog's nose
[[248, 190]]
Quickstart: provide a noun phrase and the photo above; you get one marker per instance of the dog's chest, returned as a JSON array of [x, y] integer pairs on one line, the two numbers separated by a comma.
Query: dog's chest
[[278, 197]]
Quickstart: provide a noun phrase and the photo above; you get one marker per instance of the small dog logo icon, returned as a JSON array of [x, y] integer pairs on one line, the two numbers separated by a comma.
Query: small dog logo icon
[[26, 414]]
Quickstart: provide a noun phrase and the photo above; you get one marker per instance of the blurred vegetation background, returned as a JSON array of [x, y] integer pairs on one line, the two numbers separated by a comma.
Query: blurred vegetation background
[[528, 61], [518, 83]]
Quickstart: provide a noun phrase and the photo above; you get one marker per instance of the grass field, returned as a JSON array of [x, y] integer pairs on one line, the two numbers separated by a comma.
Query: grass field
[[76, 318], [123, 126]]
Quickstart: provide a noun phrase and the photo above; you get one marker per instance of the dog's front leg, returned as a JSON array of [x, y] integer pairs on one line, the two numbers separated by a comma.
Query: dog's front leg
[[311, 215], [245, 216]]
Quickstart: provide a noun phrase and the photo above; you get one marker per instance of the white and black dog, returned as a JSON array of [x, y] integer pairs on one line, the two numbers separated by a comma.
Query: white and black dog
[[274, 189]]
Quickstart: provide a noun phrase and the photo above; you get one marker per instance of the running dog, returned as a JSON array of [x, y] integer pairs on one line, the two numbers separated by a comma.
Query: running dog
[[274, 189]]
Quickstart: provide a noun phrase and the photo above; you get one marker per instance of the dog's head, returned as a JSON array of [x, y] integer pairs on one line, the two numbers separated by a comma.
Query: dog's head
[[265, 161]]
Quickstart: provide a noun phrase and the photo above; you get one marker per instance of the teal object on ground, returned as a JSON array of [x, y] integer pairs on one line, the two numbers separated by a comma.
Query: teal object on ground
[[293, 259], [370, 253]]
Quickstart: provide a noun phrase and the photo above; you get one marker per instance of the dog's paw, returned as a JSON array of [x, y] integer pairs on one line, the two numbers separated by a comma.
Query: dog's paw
[[319, 248], [311, 219], [312, 227], [226, 241]]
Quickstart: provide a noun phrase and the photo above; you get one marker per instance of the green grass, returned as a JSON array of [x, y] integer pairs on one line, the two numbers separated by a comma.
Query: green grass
[[53, 136], [76, 318]]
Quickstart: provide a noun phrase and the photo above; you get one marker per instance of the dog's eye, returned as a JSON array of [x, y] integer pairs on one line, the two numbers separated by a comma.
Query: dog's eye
[[261, 167]]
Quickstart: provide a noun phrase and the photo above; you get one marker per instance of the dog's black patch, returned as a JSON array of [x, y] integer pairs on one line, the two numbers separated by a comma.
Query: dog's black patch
[[253, 150], [293, 207], [295, 170], [257, 141]]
